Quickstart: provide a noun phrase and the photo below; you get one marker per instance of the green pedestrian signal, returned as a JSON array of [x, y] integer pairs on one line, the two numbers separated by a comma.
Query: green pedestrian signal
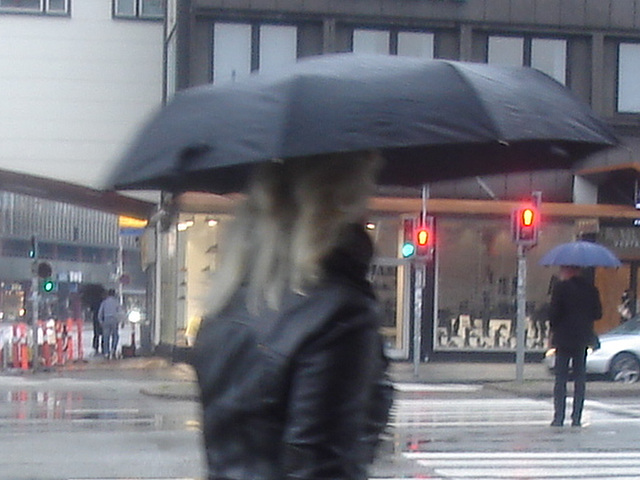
[[48, 285]]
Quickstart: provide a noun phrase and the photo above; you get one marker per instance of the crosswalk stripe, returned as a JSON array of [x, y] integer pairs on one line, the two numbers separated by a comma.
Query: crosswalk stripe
[[411, 414], [436, 387], [530, 465], [521, 455]]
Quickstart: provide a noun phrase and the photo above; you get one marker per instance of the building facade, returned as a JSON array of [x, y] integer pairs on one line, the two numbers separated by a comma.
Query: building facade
[[591, 46], [76, 79]]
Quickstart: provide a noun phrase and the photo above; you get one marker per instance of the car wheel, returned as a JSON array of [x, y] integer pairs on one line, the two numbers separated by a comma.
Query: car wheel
[[625, 368]]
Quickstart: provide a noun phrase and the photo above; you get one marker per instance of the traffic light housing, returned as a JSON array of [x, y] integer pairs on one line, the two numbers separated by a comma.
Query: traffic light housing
[[408, 243], [525, 225], [47, 282], [418, 238]]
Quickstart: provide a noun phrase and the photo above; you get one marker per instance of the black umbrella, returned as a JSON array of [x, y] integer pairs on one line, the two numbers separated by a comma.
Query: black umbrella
[[432, 120]]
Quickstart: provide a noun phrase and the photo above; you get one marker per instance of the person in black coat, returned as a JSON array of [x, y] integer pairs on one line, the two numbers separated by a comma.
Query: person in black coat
[[575, 305], [289, 359]]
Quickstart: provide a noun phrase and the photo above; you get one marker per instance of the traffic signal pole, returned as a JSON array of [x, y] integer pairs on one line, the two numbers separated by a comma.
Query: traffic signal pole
[[525, 225], [420, 273], [35, 301], [419, 269], [521, 315]]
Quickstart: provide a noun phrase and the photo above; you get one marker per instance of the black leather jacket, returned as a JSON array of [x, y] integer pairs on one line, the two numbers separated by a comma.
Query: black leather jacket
[[294, 394]]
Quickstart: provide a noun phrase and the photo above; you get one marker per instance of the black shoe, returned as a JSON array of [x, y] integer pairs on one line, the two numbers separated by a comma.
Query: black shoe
[[576, 423], [556, 423]]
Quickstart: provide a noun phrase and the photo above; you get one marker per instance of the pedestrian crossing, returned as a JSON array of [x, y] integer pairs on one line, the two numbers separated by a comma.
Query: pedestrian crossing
[[530, 465], [461, 412], [463, 438]]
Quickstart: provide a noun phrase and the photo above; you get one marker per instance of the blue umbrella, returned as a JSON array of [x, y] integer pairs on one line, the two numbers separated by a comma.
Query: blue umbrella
[[580, 254]]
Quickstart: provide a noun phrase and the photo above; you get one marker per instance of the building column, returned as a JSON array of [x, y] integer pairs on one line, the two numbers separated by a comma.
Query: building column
[[466, 43], [329, 35], [597, 72]]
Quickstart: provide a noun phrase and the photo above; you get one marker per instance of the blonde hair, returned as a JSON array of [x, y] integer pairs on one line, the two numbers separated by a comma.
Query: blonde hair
[[290, 221]]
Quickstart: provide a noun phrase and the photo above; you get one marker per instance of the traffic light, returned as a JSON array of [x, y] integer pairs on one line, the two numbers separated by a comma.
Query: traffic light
[[418, 239], [44, 270], [48, 285], [525, 222], [408, 244], [424, 237]]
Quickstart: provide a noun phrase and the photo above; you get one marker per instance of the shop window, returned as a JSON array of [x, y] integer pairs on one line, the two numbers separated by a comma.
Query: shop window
[[628, 74], [51, 7], [477, 287], [143, 9], [240, 48]]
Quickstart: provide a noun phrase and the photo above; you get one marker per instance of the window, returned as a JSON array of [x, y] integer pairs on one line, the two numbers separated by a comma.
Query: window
[[415, 44], [231, 51], [146, 9], [408, 44], [550, 56], [545, 54], [240, 48], [52, 7], [278, 47], [371, 41], [628, 74], [506, 51]]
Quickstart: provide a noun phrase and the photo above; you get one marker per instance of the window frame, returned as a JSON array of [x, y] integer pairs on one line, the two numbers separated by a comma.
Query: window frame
[[137, 15], [527, 50], [618, 111], [44, 9], [393, 36], [255, 38]]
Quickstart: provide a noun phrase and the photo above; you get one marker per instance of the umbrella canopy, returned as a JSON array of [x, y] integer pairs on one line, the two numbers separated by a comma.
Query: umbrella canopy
[[432, 120], [580, 254]]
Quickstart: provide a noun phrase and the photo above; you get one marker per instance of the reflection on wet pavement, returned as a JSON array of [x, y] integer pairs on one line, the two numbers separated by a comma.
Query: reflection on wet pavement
[[24, 408]]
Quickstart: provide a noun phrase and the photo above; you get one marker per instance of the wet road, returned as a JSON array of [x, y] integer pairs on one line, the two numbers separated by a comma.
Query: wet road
[[63, 428], [481, 435], [57, 428]]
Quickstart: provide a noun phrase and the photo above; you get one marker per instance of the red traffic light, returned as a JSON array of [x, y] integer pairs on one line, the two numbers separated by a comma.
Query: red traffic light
[[422, 237], [525, 225], [527, 217]]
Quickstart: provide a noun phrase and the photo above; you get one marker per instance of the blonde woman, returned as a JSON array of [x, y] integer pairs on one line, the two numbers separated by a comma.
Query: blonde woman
[[289, 359]]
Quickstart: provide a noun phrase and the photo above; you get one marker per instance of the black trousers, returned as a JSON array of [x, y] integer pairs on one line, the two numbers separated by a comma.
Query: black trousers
[[97, 335], [578, 358]]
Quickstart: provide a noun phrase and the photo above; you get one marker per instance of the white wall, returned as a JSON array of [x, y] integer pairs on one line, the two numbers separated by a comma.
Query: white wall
[[74, 89]]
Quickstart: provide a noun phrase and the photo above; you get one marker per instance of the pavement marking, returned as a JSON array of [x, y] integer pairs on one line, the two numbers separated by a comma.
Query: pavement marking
[[466, 412], [530, 465], [420, 413], [436, 387]]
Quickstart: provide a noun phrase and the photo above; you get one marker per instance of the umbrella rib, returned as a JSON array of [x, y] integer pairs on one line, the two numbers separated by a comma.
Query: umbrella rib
[[476, 97]]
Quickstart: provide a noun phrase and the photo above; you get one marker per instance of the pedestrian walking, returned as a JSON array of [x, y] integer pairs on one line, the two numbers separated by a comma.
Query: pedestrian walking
[[289, 360], [575, 305], [109, 316]]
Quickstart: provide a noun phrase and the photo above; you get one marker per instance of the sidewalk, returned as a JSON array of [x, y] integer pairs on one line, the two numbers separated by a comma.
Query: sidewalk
[[537, 381], [178, 381]]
